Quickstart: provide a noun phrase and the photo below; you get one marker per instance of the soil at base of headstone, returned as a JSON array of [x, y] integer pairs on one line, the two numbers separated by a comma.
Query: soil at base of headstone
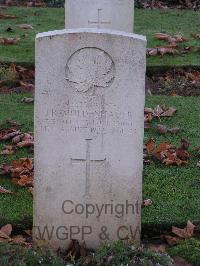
[[165, 4], [173, 82], [28, 3]]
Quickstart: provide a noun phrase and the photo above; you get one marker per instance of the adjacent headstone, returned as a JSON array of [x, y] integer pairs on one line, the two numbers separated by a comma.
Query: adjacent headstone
[[101, 14], [88, 136]]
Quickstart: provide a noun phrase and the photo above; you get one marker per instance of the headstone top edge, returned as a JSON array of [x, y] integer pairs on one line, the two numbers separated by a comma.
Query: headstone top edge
[[90, 30]]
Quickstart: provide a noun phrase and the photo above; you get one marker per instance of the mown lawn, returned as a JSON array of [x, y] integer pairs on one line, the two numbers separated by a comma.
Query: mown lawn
[[147, 22], [174, 190]]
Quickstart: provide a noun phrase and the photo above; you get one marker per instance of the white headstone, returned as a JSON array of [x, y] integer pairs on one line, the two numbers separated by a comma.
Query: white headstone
[[88, 136], [101, 14]]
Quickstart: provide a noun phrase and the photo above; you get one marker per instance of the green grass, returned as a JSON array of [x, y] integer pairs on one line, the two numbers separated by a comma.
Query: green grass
[[16, 255], [15, 209], [42, 19], [147, 22], [189, 250], [183, 22], [174, 190]]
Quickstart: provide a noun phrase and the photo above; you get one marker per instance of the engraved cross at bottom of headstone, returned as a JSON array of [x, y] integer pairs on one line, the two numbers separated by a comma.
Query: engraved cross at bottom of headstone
[[99, 22], [87, 162]]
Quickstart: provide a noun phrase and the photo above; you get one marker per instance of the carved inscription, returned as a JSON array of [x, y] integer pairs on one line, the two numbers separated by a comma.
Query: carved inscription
[[90, 68], [89, 117]]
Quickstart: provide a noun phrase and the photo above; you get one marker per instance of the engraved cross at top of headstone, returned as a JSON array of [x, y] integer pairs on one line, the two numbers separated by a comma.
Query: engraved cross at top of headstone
[[99, 22], [87, 162], [101, 14]]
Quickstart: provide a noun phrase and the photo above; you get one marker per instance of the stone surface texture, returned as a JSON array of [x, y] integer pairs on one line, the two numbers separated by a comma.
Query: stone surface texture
[[101, 14], [89, 126]]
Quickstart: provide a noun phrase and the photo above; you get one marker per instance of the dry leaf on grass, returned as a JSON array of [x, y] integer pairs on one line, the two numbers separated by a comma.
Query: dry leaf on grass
[[5, 191], [5, 236], [23, 181], [180, 262], [8, 150], [169, 112], [31, 190], [5, 16], [6, 134], [17, 138], [29, 86], [76, 250], [168, 38], [161, 51], [5, 169], [196, 36], [185, 233], [27, 100], [162, 129], [25, 144], [174, 130], [150, 146], [184, 144], [25, 26], [158, 112], [161, 248], [198, 164], [9, 41], [166, 153], [172, 240], [22, 172], [147, 202], [5, 233], [18, 239]]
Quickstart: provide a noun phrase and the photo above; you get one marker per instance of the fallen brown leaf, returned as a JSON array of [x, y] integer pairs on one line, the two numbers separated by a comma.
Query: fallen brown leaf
[[27, 100], [170, 39], [17, 138], [161, 129], [166, 153], [5, 169], [5, 231], [8, 134], [161, 36], [28, 232], [5, 16], [5, 191], [150, 146], [180, 262], [196, 36], [157, 111], [25, 26], [9, 41], [169, 112], [185, 233], [172, 240], [23, 181], [31, 190], [174, 130], [147, 202], [25, 144], [8, 150], [18, 239], [161, 248], [184, 144], [182, 154]]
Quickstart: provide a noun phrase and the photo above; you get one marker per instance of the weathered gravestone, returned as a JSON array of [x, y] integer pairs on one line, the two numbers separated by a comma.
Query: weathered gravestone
[[101, 14], [88, 136]]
